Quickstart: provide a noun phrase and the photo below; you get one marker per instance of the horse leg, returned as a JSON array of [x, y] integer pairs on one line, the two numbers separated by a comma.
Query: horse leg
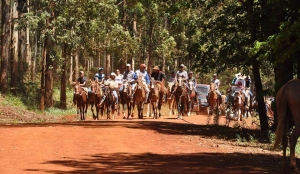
[[159, 108], [92, 109], [179, 108], [284, 146], [293, 141], [141, 109]]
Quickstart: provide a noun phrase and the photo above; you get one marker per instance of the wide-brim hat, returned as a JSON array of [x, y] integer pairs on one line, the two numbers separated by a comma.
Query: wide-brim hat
[[128, 65], [182, 65], [215, 74], [237, 75], [81, 72], [155, 68], [100, 69]]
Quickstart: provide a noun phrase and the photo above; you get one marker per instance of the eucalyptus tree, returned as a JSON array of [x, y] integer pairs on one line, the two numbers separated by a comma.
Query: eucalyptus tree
[[5, 44]]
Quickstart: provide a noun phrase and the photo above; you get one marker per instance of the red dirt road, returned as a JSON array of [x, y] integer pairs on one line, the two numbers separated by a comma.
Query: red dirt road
[[166, 145]]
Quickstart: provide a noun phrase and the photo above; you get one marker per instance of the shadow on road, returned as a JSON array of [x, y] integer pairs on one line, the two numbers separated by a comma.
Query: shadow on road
[[204, 163], [169, 128]]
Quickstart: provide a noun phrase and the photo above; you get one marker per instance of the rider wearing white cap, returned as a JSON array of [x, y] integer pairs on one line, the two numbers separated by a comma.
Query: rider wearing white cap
[[113, 86], [216, 81]]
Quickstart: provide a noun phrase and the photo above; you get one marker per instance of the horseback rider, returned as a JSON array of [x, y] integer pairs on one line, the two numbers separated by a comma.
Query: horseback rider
[[172, 78], [216, 81], [235, 78], [240, 84], [127, 76], [159, 76], [82, 80], [193, 79], [99, 75], [182, 73], [119, 77], [145, 80], [113, 86]]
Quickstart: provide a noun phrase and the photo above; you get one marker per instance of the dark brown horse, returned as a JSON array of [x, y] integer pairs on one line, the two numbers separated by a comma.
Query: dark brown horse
[[139, 97], [109, 103], [95, 97], [125, 97], [181, 97], [287, 102], [81, 101], [155, 97]]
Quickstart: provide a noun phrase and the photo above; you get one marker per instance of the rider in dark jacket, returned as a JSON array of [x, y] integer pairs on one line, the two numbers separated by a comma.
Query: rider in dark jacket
[[159, 76]]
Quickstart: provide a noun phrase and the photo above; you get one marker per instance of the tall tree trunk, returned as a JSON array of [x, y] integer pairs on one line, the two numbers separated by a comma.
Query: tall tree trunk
[[15, 58], [27, 51], [150, 48], [5, 45], [42, 99], [76, 66], [108, 62], [124, 15], [71, 69], [49, 76], [255, 70], [63, 86]]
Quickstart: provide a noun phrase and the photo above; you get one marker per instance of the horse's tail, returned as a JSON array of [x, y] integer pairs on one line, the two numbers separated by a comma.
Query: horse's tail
[[281, 102]]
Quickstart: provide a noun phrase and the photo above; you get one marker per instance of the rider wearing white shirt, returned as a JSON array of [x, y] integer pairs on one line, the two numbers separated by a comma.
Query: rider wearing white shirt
[[119, 77], [113, 86], [217, 85], [145, 79]]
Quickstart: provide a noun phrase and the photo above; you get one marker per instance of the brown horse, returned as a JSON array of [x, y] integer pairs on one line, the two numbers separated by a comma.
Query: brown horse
[[193, 96], [223, 103], [155, 97], [81, 101], [171, 100], [214, 103], [139, 97], [181, 97], [125, 97], [239, 104], [287, 102], [95, 97]]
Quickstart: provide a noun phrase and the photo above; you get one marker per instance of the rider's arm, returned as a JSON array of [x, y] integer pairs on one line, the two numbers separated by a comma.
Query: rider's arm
[[147, 79], [135, 77]]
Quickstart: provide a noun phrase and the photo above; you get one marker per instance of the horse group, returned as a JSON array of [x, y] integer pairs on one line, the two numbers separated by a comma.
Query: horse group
[[239, 105]]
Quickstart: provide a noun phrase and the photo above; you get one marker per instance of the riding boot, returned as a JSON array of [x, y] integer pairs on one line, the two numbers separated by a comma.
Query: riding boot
[[147, 97]]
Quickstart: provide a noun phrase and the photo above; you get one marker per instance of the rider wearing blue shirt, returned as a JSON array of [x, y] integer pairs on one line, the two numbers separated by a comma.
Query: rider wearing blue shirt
[[99, 75], [145, 79]]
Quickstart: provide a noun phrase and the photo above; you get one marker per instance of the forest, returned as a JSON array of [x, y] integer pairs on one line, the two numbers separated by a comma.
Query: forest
[[45, 43]]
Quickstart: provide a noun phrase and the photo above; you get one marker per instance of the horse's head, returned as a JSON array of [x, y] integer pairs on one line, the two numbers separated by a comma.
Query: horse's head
[[180, 81], [152, 83], [170, 85], [94, 85], [191, 84], [77, 88], [125, 86], [212, 86]]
